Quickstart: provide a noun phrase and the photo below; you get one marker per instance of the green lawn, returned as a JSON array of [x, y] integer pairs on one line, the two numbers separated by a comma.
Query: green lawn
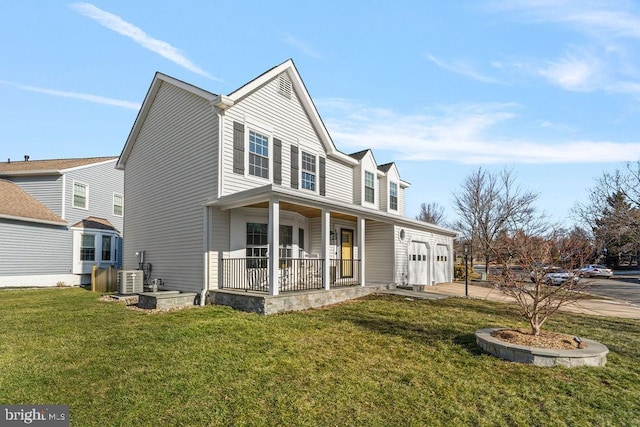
[[377, 361]]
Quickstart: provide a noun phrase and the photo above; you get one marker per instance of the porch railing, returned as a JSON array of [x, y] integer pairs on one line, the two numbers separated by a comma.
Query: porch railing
[[344, 272]]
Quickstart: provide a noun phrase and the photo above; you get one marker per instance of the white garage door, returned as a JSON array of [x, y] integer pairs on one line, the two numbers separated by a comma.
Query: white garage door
[[441, 264], [418, 263]]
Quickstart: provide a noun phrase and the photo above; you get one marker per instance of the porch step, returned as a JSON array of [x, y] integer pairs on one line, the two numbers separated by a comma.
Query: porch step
[[415, 288], [165, 300]]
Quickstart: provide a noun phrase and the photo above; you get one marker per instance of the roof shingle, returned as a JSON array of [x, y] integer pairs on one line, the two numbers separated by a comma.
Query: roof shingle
[[17, 203], [49, 165]]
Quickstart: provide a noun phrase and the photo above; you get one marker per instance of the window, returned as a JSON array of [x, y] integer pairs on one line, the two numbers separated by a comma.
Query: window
[[258, 155], [286, 245], [80, 195], [308, 171], [106, 248], [88, 247], [118, 204], [369, 189], [257, 245], [393, 196], [301, 242]]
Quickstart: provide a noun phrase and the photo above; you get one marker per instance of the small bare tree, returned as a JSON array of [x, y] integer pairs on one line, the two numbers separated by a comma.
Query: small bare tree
[[529, 261], [432, 213]]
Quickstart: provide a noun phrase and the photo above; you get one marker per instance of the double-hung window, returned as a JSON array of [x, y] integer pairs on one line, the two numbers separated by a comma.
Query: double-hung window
[[257, 245], [106, 248], [369, 187], [118, 204], [286, 245], [80, 195], [308, 171], [258, 154], [393, 196], [88, 247]]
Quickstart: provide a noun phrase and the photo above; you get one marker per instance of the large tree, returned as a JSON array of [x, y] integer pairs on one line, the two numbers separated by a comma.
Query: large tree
[[488, 206], [432, 213]]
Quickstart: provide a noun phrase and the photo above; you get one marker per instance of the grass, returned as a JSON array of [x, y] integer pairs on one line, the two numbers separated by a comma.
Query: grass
[[377, 361]]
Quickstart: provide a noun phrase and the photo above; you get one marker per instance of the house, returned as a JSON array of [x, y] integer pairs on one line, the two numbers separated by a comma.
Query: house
[[59, 218], [246, 194]]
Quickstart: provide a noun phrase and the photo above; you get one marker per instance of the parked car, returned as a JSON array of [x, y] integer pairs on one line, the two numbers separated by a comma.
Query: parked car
[[553, 275], [594, 270]]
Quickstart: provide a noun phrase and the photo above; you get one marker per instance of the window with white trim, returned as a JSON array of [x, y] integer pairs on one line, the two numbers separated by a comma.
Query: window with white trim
[[286, 245], [308, 171], [88, 247], [106, 248], [257, 245], [80, 195], [369, 187], [118, 204], [258, 154], [393, 196]]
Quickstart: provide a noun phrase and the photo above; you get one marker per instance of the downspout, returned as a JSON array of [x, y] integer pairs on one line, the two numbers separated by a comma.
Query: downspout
[[206, 240]]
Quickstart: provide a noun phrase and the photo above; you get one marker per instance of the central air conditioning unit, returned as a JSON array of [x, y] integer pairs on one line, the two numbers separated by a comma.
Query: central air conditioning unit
[[130, 282]]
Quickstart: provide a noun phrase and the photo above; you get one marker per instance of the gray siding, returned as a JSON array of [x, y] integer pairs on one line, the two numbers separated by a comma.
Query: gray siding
[[47, 189], [30, 248], [339, 181], [288, 121], [379, 262], [103, 180], [170, 175]]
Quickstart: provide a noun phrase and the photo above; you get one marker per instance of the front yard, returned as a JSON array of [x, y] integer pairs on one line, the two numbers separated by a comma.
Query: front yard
[[381, 360]]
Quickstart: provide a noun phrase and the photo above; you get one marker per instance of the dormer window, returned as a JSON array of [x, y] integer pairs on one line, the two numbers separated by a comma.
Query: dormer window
[[369, 187], [393, 196], [308, 171], [258, 155]]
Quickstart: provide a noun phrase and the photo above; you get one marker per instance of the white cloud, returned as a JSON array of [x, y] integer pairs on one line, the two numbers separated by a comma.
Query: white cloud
[[459, 133], [301, 45], [97, 99], [573, 73], [120, 26], [463, 68]]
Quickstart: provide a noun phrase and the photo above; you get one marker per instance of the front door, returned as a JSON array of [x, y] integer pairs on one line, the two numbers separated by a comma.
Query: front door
[[346, 243]]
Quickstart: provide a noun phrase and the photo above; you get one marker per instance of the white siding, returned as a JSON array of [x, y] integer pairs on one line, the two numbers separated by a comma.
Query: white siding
[[29, 248], [384, 193], [432, 240], [401, 200], [288, 122], [47, 189], [379, 262], [339, 181], [219, 242], [368, 164], [169, 175], [103, 180]]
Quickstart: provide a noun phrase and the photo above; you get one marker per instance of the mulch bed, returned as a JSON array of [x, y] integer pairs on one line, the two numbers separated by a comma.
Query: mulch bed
[[544, 340]]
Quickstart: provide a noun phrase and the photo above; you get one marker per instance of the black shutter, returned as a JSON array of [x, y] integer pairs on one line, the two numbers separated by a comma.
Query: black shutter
[[294, 166], [322, 173], [277, 161], [238, 148]]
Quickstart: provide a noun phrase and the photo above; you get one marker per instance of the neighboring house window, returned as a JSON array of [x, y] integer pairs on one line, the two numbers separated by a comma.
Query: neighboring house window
[[106, 248], [118, 204], [393, 196], [257, 245], [286, 245], [88, 247], [308, 171], [80, 195], [258, 155], [369, 189]]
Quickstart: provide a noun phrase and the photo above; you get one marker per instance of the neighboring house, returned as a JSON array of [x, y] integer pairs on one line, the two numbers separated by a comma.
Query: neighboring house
[[248, 192], [59, 218]]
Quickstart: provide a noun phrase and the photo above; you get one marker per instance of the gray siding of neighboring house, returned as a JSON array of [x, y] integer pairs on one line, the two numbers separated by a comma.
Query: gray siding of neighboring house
[[289, 123], [379, 244], [170, 175], [45, 188], [42, 249], [103, 180]]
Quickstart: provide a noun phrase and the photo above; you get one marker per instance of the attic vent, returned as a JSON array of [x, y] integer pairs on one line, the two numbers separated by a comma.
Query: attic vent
[[284, 86]]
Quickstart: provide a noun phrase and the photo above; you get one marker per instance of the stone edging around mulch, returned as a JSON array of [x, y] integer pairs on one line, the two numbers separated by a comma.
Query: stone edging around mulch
[[594, 355]]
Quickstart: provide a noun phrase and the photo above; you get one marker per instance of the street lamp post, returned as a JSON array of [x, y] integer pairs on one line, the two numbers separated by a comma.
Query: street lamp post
[[466, 270]]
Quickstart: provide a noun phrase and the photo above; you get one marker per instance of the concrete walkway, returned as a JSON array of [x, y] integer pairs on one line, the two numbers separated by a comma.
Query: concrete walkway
[[596, 306]]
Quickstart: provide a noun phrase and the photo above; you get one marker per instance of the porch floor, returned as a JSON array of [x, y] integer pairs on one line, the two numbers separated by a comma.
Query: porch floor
[[261, 303]]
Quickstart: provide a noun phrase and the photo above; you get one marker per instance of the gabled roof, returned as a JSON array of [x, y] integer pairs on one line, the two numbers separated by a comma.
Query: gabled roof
[[49, 167], [360, 154], [17, 204], [386, 167], [224, 102], [95, 223]]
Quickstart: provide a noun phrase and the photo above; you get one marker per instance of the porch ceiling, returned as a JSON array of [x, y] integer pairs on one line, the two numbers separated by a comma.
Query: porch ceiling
[[305, 211]]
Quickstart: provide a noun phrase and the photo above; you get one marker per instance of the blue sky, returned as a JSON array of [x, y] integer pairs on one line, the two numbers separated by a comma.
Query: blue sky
[[550, 89]]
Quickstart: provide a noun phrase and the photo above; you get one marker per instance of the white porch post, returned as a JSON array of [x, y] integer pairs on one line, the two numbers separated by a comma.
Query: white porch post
[[326, 223], [274, 246], [361, 248]]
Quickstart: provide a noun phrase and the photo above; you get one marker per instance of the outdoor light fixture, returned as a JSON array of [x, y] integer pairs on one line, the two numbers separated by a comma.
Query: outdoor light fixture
[[465, 250]]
